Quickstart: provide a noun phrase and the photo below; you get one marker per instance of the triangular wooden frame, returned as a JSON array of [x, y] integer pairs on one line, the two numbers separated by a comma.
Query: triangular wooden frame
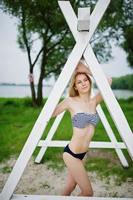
[[82, 47]]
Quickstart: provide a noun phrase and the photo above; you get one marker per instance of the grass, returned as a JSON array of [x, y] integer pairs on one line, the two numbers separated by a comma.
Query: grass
[[106, 168], [17, 118]]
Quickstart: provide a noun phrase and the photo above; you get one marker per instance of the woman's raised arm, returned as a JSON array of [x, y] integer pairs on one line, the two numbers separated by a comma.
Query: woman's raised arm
[[98, 97], [83, 68], [62, 106]]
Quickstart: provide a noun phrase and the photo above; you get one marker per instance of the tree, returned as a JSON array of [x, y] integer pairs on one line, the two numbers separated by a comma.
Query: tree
[[123, 82], [49, 27], [44, 21]]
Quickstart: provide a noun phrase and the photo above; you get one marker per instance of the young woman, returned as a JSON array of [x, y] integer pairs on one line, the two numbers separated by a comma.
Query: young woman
[[84, 119]]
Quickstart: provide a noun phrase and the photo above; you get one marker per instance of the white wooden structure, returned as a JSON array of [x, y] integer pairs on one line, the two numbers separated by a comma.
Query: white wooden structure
[[82, 47], [65, 7], [41, 197], [83, 23]]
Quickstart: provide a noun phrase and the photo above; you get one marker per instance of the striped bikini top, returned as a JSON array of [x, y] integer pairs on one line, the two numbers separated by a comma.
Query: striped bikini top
[[82, 119]]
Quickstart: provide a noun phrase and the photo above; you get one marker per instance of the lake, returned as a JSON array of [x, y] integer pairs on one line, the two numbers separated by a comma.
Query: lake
[[24, 91]]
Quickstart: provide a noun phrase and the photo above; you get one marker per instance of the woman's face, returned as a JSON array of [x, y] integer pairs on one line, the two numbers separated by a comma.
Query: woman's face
[[82, 84]]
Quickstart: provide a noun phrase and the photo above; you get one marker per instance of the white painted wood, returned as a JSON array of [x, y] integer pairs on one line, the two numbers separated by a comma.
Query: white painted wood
[[67, 10], [112, 104], [50, 197], [110, 100], [108, 145], [111, 136], [45, 114], [83, 19], [49, 137], [95, 17], [107, 127], [72, 27], [114, 144], [69, 15], [37, 131], [44, 117]]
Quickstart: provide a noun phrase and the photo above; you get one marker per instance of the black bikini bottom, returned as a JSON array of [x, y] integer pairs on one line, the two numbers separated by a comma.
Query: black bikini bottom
[[76, 155]]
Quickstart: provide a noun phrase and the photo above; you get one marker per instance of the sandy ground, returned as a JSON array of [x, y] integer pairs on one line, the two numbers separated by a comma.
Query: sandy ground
[[39, 179]]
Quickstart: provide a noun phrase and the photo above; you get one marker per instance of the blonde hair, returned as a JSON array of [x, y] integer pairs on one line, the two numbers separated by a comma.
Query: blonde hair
[[72, 92]]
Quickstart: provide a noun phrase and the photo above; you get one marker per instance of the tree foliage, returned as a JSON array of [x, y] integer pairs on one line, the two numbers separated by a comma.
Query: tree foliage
[[124, 82], [41, 20]]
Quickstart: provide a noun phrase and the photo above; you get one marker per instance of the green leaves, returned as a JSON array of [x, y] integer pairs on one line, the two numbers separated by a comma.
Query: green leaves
[[124, 82], [46, 20]]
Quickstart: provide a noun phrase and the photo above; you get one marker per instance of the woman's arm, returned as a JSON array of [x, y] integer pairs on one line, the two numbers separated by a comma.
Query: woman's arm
[[83, 68], [98, 97], [62, 106]]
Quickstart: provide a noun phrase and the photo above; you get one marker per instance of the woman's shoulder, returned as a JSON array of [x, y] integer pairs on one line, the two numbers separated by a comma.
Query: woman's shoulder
[[71, 103], [97, 98], [68, 99], [71, 99]]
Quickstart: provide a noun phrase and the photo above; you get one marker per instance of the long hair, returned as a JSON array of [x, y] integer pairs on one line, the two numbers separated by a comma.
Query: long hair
[[72, 92]]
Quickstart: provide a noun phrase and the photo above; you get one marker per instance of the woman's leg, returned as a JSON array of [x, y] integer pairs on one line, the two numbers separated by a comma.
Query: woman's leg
[[70, 185], [79, 174]]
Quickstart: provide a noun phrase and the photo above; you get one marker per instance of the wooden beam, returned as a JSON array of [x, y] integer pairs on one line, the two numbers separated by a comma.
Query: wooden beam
[[49, 137], [47, 197], [107, 145], [110, 100], [102, 83], [44, 117]]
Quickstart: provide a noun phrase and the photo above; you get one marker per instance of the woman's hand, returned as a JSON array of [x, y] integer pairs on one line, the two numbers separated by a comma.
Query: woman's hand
[[109, 80]]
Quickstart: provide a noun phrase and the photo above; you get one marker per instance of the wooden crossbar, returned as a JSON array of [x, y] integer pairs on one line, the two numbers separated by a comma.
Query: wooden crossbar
[[47, 197], [57, 143]]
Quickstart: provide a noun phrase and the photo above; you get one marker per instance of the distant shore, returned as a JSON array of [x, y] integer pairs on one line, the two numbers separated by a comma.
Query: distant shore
[[23, 90], [21, 84]]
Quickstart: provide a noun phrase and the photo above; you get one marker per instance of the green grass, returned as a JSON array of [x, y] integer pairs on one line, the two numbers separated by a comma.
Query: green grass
[[17, 118], [106, 167]]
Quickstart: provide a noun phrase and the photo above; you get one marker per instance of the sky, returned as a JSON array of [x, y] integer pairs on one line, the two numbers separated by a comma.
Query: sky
[[14, 63]]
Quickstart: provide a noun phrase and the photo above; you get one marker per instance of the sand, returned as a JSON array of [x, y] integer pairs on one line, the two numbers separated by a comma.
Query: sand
[[41, 180]]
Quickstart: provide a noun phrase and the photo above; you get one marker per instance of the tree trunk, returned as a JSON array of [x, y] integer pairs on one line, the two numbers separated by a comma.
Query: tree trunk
[[40, 82], [33, 94], [39, 90], [32, 87], [31, 77]]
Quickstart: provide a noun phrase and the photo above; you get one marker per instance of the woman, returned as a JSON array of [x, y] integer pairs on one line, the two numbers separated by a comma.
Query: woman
[[84, 119]]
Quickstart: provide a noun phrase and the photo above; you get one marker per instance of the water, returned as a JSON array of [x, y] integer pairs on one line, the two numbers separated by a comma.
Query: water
[[24, 91], [20, 91]]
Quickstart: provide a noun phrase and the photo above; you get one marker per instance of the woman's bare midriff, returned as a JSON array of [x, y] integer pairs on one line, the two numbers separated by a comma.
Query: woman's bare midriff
[[81, 139]]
